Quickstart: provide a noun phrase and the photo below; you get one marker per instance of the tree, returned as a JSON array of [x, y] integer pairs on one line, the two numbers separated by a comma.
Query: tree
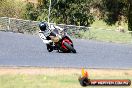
[[30, 12], [130, 15], [113, 9], [68, 12]]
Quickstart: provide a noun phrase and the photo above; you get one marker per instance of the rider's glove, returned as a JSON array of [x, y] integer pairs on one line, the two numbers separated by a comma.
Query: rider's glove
[[47, 41]]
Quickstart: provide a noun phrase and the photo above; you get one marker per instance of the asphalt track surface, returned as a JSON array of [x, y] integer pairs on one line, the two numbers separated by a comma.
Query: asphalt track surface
[[27, 50]]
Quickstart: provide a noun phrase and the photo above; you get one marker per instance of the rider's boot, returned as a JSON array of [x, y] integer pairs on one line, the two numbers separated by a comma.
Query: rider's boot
[[50, 47]]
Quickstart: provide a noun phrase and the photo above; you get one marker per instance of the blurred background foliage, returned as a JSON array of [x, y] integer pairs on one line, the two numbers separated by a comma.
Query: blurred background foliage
[[73, 12]]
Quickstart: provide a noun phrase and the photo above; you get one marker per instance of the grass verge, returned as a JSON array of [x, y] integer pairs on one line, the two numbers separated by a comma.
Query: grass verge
[[102, 32], [108, 36], [55, 77]]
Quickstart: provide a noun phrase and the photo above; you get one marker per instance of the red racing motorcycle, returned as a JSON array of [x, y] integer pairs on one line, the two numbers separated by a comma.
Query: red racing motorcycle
[[62, 42]]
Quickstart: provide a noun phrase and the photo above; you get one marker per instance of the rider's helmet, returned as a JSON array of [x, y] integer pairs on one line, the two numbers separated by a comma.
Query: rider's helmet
[[42, 26]]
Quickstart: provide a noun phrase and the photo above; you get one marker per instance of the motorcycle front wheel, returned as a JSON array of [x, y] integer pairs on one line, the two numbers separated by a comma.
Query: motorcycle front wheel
[[69, 47]]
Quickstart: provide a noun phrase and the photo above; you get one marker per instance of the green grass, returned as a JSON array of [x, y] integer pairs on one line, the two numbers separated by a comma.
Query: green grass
[[108, 36], [46, 81], [99, 24], [37, 81], [102, 32]]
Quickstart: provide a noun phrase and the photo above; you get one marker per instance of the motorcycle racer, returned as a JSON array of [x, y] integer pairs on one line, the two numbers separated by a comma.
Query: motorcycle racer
[[45, 33]]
